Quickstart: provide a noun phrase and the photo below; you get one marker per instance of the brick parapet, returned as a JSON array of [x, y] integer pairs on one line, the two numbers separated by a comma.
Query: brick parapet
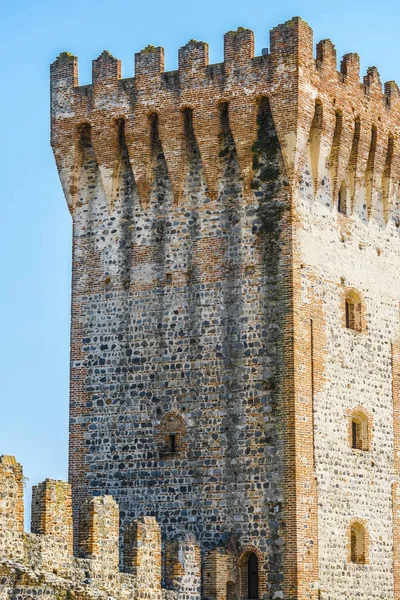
[[201, 86]]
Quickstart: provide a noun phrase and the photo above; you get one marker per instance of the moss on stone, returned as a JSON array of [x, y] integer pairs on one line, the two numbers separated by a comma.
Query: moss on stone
[[66, 56], [266, 146], [149, 49], [267, 167]]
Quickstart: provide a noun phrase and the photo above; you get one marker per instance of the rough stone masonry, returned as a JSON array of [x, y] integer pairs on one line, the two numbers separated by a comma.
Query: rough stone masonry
[[235, 340]]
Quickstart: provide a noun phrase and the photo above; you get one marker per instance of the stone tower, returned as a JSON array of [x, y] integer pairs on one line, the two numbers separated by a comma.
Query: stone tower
[[235, 355]]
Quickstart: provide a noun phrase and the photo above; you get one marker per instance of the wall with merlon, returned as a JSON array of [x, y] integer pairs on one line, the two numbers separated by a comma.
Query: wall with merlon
[[42, 562], [220, 215], [183, 568], [142, 555], [52, 510], [11, 507], [217, 574], [99, 529]]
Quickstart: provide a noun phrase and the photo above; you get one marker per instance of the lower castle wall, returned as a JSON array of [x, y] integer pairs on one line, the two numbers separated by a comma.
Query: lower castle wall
[[42, 564]]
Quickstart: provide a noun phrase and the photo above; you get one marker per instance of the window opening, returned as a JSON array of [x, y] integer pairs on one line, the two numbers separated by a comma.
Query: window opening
[[359, 431], [353, 162], [357, 542], [354, 434], [172, 442], [353, 312], [369, 173], [349, 315]]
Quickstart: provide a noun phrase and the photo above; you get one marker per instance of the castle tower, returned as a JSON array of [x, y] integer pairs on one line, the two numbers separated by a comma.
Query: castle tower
[[235, 353]]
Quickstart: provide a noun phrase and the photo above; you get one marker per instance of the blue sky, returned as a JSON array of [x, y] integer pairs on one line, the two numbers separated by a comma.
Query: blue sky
[[35, 238]]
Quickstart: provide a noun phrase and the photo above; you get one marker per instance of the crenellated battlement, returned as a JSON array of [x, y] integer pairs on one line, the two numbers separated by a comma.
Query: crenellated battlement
[[238, 50], [44, 558], [288, 75]]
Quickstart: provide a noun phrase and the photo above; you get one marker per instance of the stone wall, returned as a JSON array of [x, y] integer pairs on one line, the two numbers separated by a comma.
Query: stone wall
[[174, 299], [348, 242], [338, 252], [221, 216]]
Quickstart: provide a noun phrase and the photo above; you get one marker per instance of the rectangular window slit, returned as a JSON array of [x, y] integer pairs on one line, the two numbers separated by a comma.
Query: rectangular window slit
[[172, 442]]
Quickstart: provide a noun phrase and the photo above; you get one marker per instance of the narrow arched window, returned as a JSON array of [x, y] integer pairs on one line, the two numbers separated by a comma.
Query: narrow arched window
[[353, 311], [172, 442], [359, 431], [355, 434], [358, 543], [170, 435], [252, 577]]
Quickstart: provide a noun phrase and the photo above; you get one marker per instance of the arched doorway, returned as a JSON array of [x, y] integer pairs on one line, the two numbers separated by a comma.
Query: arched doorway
[[252, 577]]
